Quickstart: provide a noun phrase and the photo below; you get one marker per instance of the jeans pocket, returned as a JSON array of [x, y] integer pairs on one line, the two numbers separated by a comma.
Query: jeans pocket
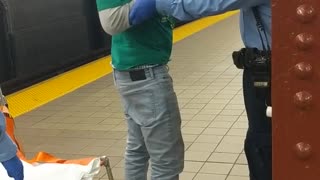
[[140, 106]]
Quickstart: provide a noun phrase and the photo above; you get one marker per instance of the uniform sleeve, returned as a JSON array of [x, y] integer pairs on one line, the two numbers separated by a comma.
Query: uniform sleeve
[[7, 148], [185, 10], [2, 127], [114, 18]]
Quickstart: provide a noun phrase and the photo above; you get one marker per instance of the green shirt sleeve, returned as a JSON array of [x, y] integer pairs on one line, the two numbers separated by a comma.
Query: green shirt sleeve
[[106, 4]]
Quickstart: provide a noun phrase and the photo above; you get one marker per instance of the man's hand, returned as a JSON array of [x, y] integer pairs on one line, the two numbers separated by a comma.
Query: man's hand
[[14, 168], [141, 11]]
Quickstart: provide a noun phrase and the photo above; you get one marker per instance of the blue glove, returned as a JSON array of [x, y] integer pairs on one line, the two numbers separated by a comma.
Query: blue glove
[[14, 168], [141, 11]]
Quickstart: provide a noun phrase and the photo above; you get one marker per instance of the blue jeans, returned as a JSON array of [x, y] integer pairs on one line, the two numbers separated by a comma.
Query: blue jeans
[[154, 124]]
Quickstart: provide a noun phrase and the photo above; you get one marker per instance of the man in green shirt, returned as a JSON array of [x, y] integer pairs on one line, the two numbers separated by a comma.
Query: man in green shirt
[[139, 57]]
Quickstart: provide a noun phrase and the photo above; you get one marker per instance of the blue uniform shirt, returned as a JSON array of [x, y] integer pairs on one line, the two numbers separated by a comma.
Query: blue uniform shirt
[[7, 148], [192, 9]]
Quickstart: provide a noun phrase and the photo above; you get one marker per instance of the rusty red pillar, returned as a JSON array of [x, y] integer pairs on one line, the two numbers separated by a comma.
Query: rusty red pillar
[[296, 89]]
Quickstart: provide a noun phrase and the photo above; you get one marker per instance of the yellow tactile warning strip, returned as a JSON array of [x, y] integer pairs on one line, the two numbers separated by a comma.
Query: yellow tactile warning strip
[[39, 94], [191, 28]]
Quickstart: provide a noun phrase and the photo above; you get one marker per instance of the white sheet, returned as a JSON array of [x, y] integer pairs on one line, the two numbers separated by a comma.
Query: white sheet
[[53, 171]]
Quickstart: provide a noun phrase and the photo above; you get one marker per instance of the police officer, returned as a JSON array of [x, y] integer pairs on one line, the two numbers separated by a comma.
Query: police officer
[[256, 41], [8, 150]]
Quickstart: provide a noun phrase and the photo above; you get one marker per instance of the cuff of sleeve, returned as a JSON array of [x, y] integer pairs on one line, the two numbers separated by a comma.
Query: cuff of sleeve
[[8, 156], [164, 7]]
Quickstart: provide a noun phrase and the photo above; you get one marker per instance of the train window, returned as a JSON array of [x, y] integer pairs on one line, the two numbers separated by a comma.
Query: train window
[[3, 54]]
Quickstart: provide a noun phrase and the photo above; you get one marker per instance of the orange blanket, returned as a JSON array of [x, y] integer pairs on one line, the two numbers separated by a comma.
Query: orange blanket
[[40, 157]]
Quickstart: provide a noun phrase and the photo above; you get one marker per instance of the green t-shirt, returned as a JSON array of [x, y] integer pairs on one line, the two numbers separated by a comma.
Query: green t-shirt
[[145, 44]]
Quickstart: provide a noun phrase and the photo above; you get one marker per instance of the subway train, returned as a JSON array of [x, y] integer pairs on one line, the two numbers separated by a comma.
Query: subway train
[[40, 39]]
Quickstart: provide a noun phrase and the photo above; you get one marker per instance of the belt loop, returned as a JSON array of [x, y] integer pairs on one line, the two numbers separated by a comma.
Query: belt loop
[[114, 77], [151, 71], [167, 67]]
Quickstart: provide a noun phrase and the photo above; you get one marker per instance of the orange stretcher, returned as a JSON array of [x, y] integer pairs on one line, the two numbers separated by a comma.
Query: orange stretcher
[[43, 157]]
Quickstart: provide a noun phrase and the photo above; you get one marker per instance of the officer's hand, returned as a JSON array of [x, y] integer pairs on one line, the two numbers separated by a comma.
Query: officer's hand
[[141, 11], [14, 168]]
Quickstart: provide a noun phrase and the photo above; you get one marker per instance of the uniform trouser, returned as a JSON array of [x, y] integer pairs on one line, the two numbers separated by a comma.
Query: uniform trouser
[[154, 124], [258, 140]]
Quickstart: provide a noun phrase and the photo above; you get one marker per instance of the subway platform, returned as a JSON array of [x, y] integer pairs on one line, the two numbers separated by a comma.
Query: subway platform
[[89, 121]]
